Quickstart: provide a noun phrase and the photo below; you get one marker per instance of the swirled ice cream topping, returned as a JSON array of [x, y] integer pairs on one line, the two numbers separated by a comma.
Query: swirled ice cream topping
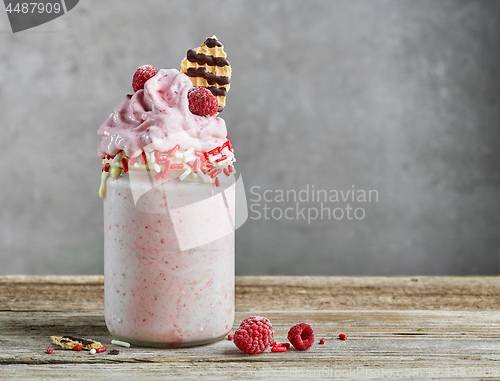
[[158, 118]]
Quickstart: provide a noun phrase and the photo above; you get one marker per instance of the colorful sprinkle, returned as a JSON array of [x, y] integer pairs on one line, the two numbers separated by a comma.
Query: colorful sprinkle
[[186, 173], [125, 165], [120, 343], [173, 150], [215, 172], [196, 165], [133, 160], [167, 168]]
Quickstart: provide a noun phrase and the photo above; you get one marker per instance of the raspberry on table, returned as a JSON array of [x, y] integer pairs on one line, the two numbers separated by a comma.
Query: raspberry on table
[[342, 337], [301, 336], [254, 335], [202, 102], [322, 341], [142, 74]]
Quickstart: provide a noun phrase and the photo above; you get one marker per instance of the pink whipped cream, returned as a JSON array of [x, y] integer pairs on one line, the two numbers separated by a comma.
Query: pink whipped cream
[[158, 118]]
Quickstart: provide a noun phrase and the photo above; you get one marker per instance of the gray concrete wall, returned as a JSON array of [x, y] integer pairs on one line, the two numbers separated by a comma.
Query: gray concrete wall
[[398, 97]]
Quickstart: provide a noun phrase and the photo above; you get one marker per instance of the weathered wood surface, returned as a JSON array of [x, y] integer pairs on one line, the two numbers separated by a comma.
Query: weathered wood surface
[[404, 328]]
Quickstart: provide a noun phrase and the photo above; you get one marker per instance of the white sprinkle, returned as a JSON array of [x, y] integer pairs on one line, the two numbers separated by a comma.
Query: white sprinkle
[[213, 158], [120, 343], [194, 175], [188, 152], [178, 154], [104, 161], [92, 351], [203, 177], [136, 164], [185, 174], [117, 157], [227, 152], [189, 158], [157, 167], [152, 155]]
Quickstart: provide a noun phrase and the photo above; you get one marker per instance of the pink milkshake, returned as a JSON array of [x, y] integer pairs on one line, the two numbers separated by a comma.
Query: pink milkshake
[[168, 190]]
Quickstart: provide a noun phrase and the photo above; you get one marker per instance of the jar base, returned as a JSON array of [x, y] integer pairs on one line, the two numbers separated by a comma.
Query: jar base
[[168, 345]]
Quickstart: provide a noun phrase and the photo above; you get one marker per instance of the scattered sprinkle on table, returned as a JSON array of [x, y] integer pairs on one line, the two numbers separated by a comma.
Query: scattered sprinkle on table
[[120, 343]]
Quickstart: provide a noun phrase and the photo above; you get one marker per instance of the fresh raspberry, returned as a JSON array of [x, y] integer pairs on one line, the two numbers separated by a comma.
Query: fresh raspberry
[[342, 337], [202, 102], [49, 350], [255, 335], [301, 336], [142, 75], [322, 341]]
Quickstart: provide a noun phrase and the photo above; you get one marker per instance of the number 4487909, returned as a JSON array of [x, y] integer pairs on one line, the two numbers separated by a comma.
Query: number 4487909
[[34, 8]]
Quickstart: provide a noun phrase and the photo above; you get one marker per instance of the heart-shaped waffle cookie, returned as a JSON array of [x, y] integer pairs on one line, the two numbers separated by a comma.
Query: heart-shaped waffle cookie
[[208, 67]]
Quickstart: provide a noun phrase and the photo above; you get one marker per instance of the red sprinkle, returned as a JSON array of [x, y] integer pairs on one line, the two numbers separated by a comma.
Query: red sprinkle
[[217, 182], [173, 150], [77, 348], [189, 164], [106, 167], [167, 168], [287, 345], [230, 337], [279, 348], [199, 154], [322, 341], [215, 172], [133, 160], [125, 164], [228, 144], [102, 349], [158, 175], [204, 170], [342, 337], [49, 350], [223, 157], [177, 166], [226, 172], [161, 159], [196, 166], [143, 158]]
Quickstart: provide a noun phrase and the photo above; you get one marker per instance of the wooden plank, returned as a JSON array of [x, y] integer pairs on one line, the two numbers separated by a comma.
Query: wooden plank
[[286, 293], [414, 327], [397, 341]]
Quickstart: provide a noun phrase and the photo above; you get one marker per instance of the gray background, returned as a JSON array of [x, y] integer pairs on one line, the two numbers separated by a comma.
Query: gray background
[[402, 97]]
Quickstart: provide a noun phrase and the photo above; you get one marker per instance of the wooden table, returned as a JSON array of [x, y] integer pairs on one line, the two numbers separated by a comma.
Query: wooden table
[[396, 327]]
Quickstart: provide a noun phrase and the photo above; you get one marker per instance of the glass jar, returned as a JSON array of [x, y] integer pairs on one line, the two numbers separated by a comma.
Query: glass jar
[[168, 260]]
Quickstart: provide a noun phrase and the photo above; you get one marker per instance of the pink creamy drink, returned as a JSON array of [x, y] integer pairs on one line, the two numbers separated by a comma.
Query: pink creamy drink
[[168, 190]]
